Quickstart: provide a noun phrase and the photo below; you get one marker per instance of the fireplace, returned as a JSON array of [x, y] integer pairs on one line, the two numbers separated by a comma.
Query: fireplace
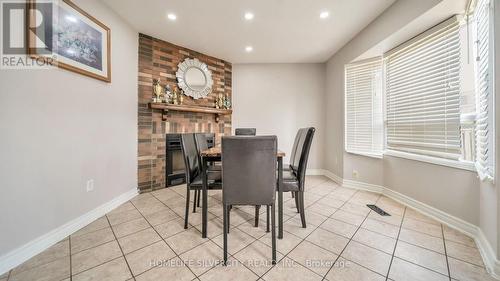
[[175, 168]]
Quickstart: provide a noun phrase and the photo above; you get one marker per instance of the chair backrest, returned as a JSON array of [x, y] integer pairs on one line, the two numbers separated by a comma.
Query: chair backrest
[[191, 157], [249, 170], [202, 140], [295, 160], [294, 147], [245, 131], [304, 148]]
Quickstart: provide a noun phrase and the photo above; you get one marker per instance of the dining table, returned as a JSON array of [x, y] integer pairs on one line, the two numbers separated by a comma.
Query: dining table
[[214, 154]]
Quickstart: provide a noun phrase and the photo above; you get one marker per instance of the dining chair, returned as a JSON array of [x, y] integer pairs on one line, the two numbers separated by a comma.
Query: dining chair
[[249, 178], [201, 145], [294, 179], [193, 171], [245, 131], [288, 167]]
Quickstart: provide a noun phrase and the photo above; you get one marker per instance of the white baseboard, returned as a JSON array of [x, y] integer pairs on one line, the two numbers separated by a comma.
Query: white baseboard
[[491, 262], [36, 246]]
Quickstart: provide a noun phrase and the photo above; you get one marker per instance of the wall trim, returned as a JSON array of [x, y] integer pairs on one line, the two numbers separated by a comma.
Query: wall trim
[[491, 262], [36, 246]]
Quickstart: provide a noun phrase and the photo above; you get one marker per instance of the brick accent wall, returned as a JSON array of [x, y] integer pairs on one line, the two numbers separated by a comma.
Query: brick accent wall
[[158, 60]]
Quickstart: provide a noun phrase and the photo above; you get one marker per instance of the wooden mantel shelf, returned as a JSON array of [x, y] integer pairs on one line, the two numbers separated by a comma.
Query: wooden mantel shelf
[[189, 108]]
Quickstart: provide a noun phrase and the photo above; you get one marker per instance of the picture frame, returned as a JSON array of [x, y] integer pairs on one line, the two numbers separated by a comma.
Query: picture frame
[[72, 40]]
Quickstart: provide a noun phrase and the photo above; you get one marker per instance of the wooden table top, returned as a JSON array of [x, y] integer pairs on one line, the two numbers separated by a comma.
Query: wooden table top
[[216, 152]]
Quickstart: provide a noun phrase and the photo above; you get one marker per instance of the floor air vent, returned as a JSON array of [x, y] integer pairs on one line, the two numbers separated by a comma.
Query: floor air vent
[[378, 210]]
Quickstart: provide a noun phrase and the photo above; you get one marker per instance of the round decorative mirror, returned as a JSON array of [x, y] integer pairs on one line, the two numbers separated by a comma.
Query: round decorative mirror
[[194, 78]]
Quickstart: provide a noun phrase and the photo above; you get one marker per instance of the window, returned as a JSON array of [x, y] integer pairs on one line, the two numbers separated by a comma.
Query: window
[[423, 94], [484, 117], [363, 108]]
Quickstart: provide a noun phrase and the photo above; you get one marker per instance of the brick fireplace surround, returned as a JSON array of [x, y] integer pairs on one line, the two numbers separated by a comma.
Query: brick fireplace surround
[[158, 60]]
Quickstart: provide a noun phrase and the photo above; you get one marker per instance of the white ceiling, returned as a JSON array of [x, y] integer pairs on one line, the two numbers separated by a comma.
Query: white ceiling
[[282, 31]]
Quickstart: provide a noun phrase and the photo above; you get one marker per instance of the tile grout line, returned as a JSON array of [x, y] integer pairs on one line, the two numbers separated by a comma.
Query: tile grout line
[[123, 254], [70, 260], [446, 253], [395, 245], [163, 239]]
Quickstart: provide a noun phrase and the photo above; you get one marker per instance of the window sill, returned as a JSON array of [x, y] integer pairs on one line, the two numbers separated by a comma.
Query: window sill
[[372, 155], [464, 165]]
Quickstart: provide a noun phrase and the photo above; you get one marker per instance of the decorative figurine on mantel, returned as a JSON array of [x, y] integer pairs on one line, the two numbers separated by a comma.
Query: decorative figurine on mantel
[[219, 101], [227, 102], [157, 91], [168, 94]]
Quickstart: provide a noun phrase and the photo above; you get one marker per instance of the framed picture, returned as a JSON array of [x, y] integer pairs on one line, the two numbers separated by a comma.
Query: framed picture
[[70, 38]]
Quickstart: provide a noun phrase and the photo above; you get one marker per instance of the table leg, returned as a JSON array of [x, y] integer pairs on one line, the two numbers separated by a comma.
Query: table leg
[[280, 198], [204, 199]]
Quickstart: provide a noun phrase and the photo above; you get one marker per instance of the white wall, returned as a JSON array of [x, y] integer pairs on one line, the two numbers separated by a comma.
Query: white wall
[[58, 129], [451, 190], [279, 99]]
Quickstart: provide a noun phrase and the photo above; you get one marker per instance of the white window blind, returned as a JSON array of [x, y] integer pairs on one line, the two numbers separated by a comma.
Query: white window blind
[[363, 107], [484, 116], [423, 93]]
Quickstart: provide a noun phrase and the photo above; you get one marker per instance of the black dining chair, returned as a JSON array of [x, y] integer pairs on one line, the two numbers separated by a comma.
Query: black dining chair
[[193, 172], [249, 178], [245, 131], [294, 179], [288, 167]]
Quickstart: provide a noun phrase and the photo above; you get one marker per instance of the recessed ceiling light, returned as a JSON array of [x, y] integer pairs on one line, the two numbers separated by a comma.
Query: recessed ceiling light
[[324, 14], [248, 49], [172, 17], [249, 16]]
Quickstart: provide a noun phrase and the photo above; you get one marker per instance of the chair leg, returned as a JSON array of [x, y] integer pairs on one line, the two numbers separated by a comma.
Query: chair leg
[[293, 194], [268, 213], [187, 208], [196, 195], [296, 201], [257, 211], [302, 211], [199, 196], [225, 222], [273, 232], [229, 217]]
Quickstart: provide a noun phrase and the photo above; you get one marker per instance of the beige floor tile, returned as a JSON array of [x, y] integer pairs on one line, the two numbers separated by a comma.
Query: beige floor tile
[[416, 215], [57, 251], [195, 218], [355, 209], [95, 256], [148, 257], [52, 271], [115, 270], [422, 240], [258, 257], [370, 258], [312, 219], [465, 253], [339, 227], [185, 240], [345, 270], [375, 240], [458, 237], [321, 209], [5, 275], [121, 217], [422, 257], [464, 271], [289, 270], [130, 227], [170, 228], [392, 219], [234, 270], [364, 197], [161, 217], [214, 227], [313, 257], [256, 232], [90, 240], [332, 201], [381, 228], [98, 224], [152, 208], [348, 217], [138, 240], [127, 206], [328, 240], [236, 240], [424, 227], [284, 245], [294, 225], [322, 190], [173, 269], [404, 271], [203, 257]]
